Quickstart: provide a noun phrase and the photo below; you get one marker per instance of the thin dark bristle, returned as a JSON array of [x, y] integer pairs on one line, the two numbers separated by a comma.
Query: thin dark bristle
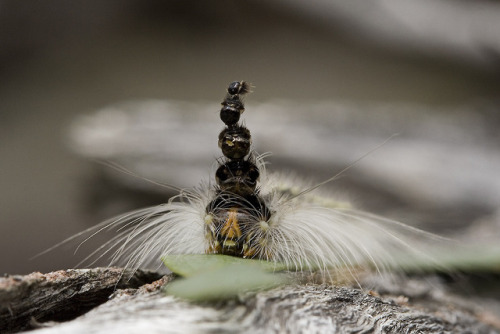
[[245, 87]]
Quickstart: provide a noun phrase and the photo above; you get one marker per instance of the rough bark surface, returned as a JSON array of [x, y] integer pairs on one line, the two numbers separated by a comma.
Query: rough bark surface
[[409, 306], [60, 295]]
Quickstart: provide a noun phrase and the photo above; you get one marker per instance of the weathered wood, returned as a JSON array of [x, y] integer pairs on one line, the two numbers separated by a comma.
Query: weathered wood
[[60, 295], [407, 306]]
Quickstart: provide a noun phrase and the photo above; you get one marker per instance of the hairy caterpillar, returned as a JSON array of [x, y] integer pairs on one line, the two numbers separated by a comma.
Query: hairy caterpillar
[[250, 213]]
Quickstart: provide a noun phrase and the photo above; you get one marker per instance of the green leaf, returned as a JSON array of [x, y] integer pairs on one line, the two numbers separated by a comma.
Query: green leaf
[[192, 264], [224, 282]]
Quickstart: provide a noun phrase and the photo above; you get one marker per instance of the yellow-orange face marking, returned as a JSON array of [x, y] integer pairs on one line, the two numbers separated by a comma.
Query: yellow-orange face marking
[[231, 228], [213, 248], [248, 251]]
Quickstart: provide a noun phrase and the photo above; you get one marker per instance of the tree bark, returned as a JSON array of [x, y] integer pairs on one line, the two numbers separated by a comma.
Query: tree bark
[[55, 302], [61, 295]]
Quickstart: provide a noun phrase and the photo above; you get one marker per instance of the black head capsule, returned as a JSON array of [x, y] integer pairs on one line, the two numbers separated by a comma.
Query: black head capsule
[[235, 142], [230, 114], [238, 87], [238, 177], [232, 106]]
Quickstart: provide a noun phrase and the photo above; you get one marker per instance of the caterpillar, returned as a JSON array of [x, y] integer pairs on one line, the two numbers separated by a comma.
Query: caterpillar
[[250, 213]]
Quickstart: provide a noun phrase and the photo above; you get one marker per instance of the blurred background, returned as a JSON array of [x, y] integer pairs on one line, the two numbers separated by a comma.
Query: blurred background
[[139, 83]]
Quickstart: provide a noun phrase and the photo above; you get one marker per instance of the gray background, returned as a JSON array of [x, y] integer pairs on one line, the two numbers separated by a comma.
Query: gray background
[[60, 59]]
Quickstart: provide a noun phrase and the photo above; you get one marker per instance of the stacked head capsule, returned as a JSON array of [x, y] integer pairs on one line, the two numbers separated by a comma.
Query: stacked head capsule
[[237, 207]]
